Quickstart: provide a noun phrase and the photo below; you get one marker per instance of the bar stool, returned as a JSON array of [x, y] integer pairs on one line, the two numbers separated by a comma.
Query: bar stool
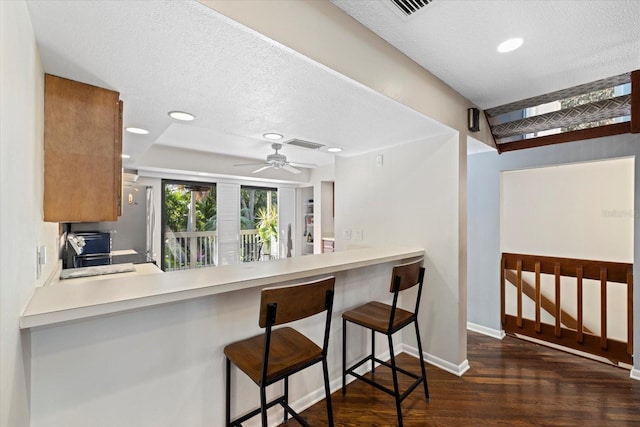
[[279, 353], [388, 319]]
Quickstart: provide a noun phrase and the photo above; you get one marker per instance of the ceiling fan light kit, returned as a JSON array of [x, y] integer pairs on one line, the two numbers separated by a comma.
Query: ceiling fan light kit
[[272, 136]]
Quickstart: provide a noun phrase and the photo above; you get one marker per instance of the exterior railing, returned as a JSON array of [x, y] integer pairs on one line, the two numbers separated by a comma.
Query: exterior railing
[[193, 249], [190, 249], [250, 246], [569, 317]]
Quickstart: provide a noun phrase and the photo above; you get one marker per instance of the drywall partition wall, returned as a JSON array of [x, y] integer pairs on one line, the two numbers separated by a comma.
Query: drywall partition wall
[[21, 184], [576, 210], [326, 209], [317, 177], [483, 213], [409, 195]]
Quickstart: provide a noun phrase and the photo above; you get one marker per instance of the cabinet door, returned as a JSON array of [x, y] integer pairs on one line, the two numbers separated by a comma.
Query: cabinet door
[[83, 147]]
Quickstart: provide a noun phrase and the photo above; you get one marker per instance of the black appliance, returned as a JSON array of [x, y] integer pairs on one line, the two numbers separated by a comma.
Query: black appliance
[[106, 259], [97, 251], [84, 245]]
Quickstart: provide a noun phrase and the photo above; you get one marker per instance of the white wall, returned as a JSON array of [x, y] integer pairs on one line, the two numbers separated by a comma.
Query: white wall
[[412, 200], [326, 209], [578, 210], [21, 212]]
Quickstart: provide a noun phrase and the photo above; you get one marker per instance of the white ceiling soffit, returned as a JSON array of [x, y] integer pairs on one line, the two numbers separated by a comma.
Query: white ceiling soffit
[[164, 56], [566, 43], [475, 147]]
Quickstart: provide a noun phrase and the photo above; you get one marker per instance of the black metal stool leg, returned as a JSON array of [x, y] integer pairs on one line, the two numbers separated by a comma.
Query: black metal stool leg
[[263, 404], [344, 357], [373, 352], [395, 381], [325, 370], [228, 393], [286, 398], [424, 372]]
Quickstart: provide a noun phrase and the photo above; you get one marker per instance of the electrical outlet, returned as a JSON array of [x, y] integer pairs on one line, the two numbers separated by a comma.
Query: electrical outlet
[[357, 234], [346, 234], [379, 160]]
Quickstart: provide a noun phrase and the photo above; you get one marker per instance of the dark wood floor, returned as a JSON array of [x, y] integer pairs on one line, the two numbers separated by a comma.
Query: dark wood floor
[[511, 383]]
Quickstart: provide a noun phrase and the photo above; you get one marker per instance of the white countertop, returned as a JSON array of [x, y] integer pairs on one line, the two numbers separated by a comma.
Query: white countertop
[[74, 299], [139, 269]]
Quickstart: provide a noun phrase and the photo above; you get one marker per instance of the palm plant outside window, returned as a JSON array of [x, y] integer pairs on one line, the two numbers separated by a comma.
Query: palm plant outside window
[[189, 224]]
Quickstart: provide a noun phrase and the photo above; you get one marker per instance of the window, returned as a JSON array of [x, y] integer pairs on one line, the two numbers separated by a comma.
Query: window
[[189, 222], [258, 223]]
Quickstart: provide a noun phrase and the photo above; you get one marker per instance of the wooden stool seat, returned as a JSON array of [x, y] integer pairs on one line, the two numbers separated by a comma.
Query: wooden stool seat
[[387, 319], [279, 353], [289, 351], [375, 315]]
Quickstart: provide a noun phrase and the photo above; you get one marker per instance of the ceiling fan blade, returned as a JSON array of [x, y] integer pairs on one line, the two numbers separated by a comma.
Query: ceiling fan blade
[[262, 168], [291, 169], [303, 165], [251, 164]]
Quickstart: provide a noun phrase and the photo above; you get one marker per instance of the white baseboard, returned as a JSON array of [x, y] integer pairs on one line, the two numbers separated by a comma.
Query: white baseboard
[[499, 334], [454, 369], [635, 374]]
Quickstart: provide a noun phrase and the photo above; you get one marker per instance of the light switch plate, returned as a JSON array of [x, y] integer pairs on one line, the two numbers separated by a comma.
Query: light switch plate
[[42, 255], [357, 234]]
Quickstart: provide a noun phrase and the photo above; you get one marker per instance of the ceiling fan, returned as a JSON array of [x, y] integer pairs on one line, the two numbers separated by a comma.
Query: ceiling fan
[[275, 161]]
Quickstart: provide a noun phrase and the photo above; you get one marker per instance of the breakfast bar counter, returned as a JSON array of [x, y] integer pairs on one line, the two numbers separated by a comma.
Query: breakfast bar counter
[[73, 301], [113, 350]]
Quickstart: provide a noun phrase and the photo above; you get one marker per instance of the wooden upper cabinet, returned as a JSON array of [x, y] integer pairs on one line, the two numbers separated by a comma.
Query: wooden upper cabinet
[[82, 152]]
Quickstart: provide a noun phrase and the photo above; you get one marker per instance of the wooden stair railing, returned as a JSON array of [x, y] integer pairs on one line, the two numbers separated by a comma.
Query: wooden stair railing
[[574, 335], [545, 303]]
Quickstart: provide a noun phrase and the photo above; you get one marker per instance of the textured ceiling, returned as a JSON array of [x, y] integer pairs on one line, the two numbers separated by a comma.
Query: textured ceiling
[[566, 43], [164, 56], [181, 55]]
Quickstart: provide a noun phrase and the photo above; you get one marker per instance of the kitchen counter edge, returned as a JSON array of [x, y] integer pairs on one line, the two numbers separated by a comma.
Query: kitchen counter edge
[[51, 305]]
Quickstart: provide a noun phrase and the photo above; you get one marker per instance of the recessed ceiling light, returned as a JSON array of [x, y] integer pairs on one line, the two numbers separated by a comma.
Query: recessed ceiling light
[[137, 131], [272, 136], [510, 45], [334, 149], [125, 156], [181, 115]]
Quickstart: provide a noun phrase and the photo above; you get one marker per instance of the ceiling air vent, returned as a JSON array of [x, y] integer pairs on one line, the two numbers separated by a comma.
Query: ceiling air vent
[[304, 144], [409, 7]]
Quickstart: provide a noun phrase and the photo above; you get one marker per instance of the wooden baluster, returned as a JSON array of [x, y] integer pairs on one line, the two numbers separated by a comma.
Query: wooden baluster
[[579, 332], [537, 297], [630, 311], [503, 312], [603, 308], [519, 290], [556, 271]]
